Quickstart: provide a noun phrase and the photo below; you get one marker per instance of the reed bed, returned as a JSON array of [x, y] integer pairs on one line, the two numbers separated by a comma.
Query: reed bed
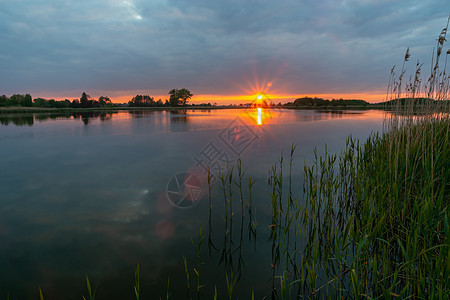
[[379, 212], [374, 220]]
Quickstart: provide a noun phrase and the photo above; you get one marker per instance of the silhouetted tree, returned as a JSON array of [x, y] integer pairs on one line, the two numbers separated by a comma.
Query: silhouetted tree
[[142, 101], [52, 103], [26, 101], [39, 102], [86, 101], [179, 97], [15, 100], [75, 103], [4, 100], [67, 103], [102, 100]]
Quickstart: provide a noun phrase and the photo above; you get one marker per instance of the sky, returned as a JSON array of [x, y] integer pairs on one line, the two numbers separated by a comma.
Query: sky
[[223, 51]]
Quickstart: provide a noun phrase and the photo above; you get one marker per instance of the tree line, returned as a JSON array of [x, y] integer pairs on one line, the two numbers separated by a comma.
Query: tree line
[[85, 101], [308, 101], [178, 97]]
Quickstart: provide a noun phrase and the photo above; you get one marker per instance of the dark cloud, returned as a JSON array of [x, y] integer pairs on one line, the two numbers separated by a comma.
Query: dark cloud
[[211, 46]]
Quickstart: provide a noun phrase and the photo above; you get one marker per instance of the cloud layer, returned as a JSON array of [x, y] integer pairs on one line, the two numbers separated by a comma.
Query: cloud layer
[[211, 47]]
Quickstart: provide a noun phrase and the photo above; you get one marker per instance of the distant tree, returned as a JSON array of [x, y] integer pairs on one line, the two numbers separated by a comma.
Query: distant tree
[[103, 101], [179, 97], [4, 100], [135, 101], [308, 101], [15, 100], [75, 103], [39, 102], [84, 98], [141, 101], [86, 101], [26, 101], [148, 101], [52, 103]]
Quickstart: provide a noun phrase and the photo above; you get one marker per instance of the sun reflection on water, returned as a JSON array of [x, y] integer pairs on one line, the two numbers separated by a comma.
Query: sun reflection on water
[[259, 116]]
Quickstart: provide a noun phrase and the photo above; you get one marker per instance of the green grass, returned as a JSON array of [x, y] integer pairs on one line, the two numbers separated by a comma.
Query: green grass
[[381, 210]]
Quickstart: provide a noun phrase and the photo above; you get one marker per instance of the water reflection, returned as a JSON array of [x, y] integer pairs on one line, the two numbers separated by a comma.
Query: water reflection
[[178, 120], [259, 115], [322, 115], [45, 117], [92, 198], [18, 120], [141, 113], [28, 119], [179, 115], [87, 117]]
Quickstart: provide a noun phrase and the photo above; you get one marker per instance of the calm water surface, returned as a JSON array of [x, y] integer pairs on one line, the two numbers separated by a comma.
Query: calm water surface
[[91, 194]]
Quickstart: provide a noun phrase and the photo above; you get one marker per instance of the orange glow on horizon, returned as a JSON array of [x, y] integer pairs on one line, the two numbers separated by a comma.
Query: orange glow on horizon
[[283, 98], [261, 86], [236, 99]]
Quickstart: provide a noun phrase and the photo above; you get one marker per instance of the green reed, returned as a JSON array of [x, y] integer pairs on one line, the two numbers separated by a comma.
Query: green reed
[[41, 295], [137, 283], [384, 215], [374, 220], [91, 295], [197, 249]]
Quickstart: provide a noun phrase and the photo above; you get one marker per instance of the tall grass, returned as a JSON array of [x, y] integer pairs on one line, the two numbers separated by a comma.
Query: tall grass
[[379, 211], [374, 221], [384, 214]]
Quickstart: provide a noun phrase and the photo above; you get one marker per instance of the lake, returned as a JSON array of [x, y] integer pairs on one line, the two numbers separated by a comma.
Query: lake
[[97, 193]]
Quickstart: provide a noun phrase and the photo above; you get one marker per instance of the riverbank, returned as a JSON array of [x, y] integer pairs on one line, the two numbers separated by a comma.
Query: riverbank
[[112, 109]]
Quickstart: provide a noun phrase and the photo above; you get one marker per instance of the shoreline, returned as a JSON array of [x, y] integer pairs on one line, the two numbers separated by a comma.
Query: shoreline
[[107, 109]]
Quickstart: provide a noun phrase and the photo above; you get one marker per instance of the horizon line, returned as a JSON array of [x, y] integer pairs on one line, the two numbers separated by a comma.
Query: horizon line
[[220, 99]]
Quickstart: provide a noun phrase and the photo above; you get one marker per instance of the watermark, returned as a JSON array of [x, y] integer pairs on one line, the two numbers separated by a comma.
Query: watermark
[[184, 190], [238, 136], [215, 159]]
